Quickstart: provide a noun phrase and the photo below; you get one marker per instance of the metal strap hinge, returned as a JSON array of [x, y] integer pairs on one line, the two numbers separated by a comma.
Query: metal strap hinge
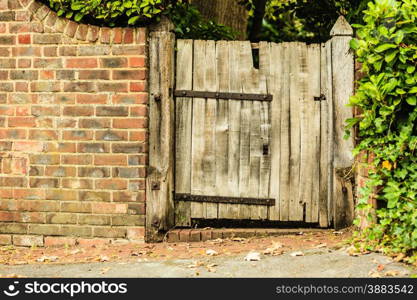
[[228, 200], [222, 95]]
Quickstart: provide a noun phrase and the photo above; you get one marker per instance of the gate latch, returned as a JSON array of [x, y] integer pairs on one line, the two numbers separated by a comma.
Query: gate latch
[[321, 98]]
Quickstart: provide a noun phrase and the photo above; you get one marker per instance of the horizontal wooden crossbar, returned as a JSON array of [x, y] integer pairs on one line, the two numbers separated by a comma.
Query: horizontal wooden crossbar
[[220, 95], [228, 200]]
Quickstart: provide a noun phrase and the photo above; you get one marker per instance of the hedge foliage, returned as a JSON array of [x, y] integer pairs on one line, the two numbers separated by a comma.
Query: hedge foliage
[[387, 97], [187, 19]]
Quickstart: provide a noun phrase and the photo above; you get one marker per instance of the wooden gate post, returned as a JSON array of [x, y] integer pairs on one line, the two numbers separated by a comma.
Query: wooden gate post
[[160, 176], [343, 89]]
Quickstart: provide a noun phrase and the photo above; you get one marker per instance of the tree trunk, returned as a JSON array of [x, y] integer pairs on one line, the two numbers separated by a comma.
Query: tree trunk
[[226, 12], [258, 17]]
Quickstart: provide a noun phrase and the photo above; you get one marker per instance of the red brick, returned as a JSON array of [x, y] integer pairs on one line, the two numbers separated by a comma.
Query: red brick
[[129, 123], [111, 184], [5, 239], [28, 146], [137, 87], [76, 159], [93, 242], [51, 241], [78, 111], [110, 160], [129, 74], [81, 63], [24, 39], [22, 122], [109, 208], [91, 99], [27, 240], [137, 62]]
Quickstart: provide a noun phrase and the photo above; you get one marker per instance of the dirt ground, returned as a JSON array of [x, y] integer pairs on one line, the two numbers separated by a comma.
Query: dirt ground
[[324, 251]]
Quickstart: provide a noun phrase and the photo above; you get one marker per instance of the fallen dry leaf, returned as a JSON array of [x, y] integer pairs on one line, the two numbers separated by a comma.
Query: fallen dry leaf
[[211, 252], [195, 264], [392, 273], [276, 249], [374, 274], [324, 245], [253, 256], [46, 258], [297, 253], [400, 257], [104, 258]]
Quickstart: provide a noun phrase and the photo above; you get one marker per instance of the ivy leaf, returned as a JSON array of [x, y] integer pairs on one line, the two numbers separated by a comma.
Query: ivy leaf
[[133, 20], [384, 47], [354, 44], [412, 100], [413, 90]]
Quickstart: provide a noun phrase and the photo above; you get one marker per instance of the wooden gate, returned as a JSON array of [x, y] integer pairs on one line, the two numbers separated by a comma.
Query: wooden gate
[[266, 142]]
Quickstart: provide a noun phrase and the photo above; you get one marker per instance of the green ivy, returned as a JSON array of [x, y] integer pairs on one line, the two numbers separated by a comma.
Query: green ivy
[[387, 97], [187, 19]]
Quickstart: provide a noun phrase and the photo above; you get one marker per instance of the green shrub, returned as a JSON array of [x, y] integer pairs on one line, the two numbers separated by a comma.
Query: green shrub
[[187, 19], [387, 97]]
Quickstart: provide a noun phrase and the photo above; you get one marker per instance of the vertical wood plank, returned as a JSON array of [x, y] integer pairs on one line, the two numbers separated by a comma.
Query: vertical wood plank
[[198, 210], [209, 158], [235, 86], [314, 61], [295, 207], [160, 180], [222, 128], [325, 152], [304, 85], [273, 63], [343, 87], [285, 171], [184, 81]]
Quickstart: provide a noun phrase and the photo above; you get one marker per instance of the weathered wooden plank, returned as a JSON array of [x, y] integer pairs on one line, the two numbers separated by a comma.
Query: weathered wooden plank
[[265, 127], [184, 80], [314, 61], [232, 211], [343, 87], [285, 144], [272, 64], [160, 180], [325, 153], [296, 55], [250, 150], [306, 140], [209, 159], [222, 128], [198, 210]]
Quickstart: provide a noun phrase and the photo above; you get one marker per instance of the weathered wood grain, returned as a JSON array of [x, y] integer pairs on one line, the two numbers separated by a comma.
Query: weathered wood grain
[[325, 127], [183, 108], [160, 180], [296, 57], [198, 210], [209, 158], [285, 143], [272, 64], [343, 87], [222, 128]]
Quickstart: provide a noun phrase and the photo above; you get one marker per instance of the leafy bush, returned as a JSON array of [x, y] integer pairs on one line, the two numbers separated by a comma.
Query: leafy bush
[[187, 19], [305, 20], [387, 97]]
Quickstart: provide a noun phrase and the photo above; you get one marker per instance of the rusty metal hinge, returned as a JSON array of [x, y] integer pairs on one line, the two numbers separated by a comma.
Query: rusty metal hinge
[[228, 200], [223, 95]]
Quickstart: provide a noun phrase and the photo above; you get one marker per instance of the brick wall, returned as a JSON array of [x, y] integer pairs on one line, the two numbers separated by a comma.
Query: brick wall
[[73, 137]]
